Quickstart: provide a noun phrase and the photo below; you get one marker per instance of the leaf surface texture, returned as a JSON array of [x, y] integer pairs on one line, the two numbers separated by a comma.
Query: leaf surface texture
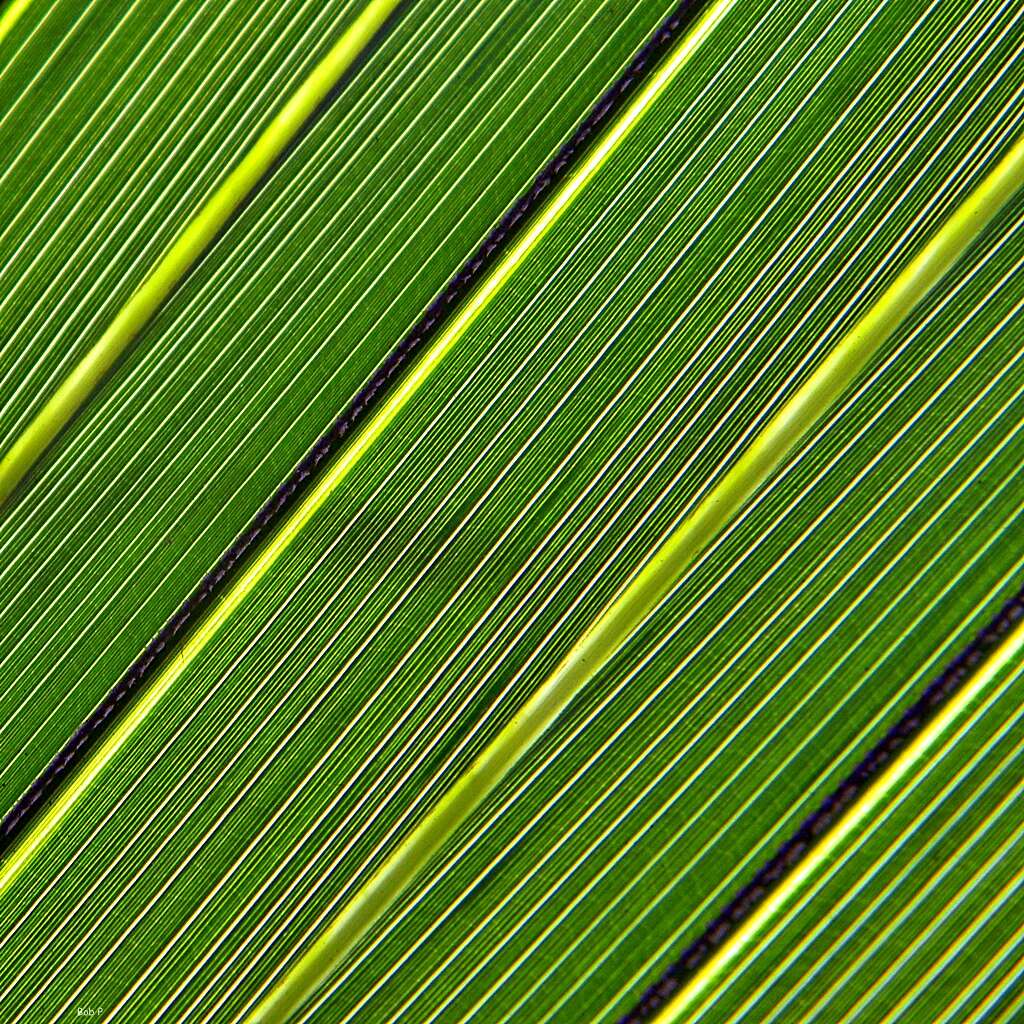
[[764, 202]]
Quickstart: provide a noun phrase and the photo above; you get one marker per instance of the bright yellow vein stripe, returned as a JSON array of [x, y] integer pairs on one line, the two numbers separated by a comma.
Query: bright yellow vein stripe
[[190, 244], [691, 997], [29, 845], [649, 586], [11, 16]]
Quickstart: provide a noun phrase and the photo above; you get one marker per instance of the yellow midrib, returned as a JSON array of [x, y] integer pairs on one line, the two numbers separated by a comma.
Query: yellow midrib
[[11, 16], [189, 245], [624, 613]]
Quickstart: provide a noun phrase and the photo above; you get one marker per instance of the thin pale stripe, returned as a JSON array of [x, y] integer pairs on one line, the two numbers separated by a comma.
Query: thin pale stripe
[[576, 731], [905, 837], [191, 242], [706, 981], [79, 850], [987, 977], [56, 48], [392, 404], [99, 613], [1012, 981], [57, 44]]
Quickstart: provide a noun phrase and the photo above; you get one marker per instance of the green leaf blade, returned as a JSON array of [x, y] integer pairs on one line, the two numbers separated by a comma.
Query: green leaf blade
[[584, 412], [264, 345]]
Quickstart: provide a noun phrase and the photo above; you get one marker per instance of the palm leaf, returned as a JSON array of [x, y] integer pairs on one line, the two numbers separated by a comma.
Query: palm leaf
[[206, 415], [716, 253]]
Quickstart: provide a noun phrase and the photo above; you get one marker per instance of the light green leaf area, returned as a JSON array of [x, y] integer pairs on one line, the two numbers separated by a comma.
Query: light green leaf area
[[917, 917], [769, 196], [323, 272]]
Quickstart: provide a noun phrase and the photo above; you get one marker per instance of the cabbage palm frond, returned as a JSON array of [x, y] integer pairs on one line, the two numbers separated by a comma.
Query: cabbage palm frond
[[608, 583]]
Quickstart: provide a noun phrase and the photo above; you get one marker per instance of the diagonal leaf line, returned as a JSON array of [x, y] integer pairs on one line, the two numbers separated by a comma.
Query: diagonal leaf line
[[108, 942], [929, 854], [137, 415], [363, 798], [683, 115], [307, 472], [953, 682], [204, 226], [11, 16], [926, 854]]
